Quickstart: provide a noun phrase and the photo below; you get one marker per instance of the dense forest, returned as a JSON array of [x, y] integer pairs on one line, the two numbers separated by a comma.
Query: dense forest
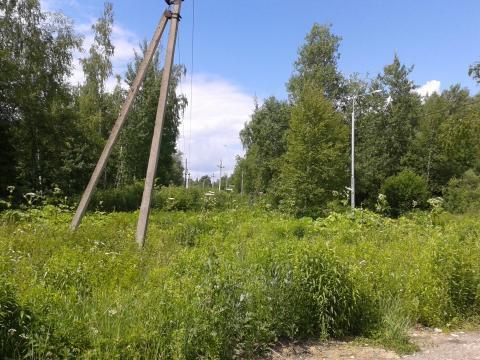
[[52, 132], [408, 147]]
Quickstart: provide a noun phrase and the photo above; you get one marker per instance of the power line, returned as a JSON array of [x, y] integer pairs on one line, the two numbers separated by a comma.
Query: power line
[[191, 78]]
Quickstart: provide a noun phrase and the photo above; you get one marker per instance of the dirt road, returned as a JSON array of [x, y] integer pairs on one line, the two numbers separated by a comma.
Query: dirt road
[[434, 345]]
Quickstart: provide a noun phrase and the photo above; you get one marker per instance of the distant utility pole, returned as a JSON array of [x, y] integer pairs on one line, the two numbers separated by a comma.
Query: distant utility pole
[[186, 173], [241, 187], [213, 180], [352, 180], [221, 167]]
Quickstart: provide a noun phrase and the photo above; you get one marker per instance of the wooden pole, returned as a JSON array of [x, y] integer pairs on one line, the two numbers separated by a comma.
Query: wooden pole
[[157, 132], [102, 162]]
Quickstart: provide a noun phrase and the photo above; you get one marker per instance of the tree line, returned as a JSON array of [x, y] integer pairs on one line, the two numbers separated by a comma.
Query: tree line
[[298, 150], [52, 132]]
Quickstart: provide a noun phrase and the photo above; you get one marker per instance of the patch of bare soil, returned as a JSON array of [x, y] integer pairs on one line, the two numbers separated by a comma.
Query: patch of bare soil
[[434, 345]]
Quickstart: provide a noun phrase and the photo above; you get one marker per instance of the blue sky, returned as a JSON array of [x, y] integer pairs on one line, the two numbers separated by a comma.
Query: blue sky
[[246, 48]]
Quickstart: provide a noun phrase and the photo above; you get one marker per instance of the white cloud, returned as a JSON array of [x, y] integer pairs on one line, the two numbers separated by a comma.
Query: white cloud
[[220, 110], [429, 88]]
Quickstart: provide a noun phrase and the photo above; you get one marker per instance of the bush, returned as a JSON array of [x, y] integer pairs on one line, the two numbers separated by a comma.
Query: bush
[[463, 195], [405, 192], [127, 198], [170, 198]]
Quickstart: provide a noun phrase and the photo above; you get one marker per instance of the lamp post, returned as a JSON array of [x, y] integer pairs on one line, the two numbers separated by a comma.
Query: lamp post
[[352, 180]]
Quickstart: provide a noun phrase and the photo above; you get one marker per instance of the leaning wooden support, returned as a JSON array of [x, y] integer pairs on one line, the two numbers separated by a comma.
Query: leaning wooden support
[[102, 162], [157, 132]]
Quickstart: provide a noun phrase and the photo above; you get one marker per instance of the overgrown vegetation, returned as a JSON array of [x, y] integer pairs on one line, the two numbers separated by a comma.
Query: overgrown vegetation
[[228, 284], [224, 275]]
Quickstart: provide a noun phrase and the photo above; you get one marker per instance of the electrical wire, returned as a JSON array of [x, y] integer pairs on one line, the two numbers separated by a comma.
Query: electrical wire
[[191, 78]]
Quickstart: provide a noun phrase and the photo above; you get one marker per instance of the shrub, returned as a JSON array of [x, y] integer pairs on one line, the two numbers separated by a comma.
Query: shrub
[[171, 198], [127, 198], [405, 192], [463, 195]]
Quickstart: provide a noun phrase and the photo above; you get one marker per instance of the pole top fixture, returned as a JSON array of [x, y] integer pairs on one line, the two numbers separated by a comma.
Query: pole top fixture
[[171, 2]]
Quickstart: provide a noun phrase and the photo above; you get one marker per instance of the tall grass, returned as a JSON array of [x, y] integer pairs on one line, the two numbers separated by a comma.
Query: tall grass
[[172, 198], [228, 284]]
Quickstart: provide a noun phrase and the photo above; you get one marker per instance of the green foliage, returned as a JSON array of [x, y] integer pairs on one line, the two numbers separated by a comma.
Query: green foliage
[[265, 141], [462, 194], [14, 323], [137, 135], [171, 198], [53, 133], [315, 163], [386, 127], [36, 52], [317, 65], [405, 192], [228, 284], [446, 142], [474, 71]]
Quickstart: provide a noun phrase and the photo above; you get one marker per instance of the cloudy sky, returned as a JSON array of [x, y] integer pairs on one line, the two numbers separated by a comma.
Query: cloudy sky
[[245, 49]]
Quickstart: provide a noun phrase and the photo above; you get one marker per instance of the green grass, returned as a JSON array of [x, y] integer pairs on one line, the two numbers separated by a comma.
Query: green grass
[[219, 285]]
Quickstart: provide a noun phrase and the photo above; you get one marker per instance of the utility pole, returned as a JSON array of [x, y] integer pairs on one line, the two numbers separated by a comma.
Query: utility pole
[[352, 180], [112, 139], [220, 179], [213, 180], [157, 132], [186, 173], [241, 187]]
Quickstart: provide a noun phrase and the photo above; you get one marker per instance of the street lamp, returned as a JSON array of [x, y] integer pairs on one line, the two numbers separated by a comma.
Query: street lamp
[[352, 182]]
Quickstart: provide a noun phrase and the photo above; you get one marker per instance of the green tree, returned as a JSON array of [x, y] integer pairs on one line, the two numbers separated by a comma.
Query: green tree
[[205, 182], [317, 65], [315, 164], [97, 68], [446, 141], [97, 107], [462, 194], [264, 139], [36, 57], [138, 132], [386, 132], [246, 168], [474, 71]]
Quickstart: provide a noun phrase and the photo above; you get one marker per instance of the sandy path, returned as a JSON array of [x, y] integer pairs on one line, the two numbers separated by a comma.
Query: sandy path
[[434, 346]]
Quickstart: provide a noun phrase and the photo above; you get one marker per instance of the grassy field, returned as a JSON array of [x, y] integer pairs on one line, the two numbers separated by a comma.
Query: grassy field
[[226, 284]]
